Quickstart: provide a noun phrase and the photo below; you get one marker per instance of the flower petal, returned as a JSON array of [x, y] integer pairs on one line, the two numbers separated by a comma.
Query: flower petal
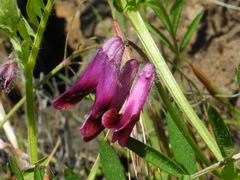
[[112, 48], [110, 118], [127, 75], [105, 95], [137, 97], [123, 135]]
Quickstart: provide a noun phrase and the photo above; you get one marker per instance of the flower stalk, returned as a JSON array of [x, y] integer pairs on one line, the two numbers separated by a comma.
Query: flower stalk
[[28, 71], [31, 124]]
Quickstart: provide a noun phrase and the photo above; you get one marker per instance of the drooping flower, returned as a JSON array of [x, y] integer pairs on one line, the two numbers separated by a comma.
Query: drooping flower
[[8, 71], [113, 87], [111, 50], [111, 92], [123, 124]]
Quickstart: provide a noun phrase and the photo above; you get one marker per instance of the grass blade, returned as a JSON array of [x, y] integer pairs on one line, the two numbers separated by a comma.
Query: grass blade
[[155, 157], [190, 31]]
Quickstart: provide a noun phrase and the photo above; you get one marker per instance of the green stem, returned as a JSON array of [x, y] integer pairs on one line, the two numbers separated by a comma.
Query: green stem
[[28, 70], [31, 126], [37, 41], [234, 158], [164, 72]]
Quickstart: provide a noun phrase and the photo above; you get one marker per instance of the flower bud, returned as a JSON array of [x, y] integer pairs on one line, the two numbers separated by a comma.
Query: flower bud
[[8, 71]]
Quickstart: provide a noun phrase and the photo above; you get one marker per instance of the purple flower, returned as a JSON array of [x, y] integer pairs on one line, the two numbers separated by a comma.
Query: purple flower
[[110, 93], [123, 124], [8, 71], [113, 87], [110, 51]]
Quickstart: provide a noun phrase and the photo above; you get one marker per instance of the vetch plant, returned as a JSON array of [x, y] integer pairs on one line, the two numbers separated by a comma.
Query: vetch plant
[[122, 85]]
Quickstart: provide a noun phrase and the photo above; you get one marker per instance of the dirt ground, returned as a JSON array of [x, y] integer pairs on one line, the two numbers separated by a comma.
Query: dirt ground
[[214, 48]]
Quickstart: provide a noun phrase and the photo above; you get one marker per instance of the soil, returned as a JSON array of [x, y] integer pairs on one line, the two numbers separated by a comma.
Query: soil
[[214, 48]]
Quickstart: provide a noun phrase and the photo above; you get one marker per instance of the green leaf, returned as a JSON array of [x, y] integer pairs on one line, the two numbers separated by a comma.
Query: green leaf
[[25, 51], [238, 76], [70, 175], [23, 30], [37, 173], [9, 14], [150, 4], [160, 11], [220, 131], [175, 13], [190, 31], [228, 171], [31, 13], [37, 9], [185, 177], [155, 157], [157, 33], [28, 28], [40, 3], [43, 161], [111, 166], [176, 6], [117, 5], [182, 151], [28, 174], [166, 2], [15, 168]]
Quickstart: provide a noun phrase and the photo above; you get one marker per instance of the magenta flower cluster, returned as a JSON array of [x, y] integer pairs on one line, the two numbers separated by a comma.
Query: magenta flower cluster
[[113, 87]]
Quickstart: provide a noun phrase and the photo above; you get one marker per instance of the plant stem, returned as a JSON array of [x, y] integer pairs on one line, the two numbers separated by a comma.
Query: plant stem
[[234, 158], [31, 126], [164, 72], [37, 41], [28, 70]]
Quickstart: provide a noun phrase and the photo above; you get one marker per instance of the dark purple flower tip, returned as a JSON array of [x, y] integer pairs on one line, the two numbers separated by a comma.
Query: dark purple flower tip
[[123, 135], [136, 99], [92, 129], [111, 50], [110, 118]]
